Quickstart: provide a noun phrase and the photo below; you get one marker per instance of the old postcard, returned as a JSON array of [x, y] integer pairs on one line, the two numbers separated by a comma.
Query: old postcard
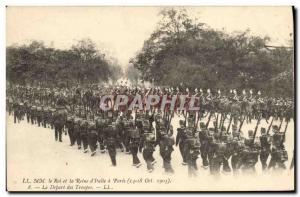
[[164, 99]]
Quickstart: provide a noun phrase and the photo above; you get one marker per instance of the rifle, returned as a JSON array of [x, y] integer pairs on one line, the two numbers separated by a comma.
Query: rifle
[[221, 120], [285, 129], [198, 118], [227, 131], [280, 124], [169, 124], [216, 126], [242, 124], [255, 131], [269, 128], [208, 120], [185, 115]]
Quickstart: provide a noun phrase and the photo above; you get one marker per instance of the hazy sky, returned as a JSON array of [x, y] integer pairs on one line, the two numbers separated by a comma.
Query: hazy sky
[[121, 31]]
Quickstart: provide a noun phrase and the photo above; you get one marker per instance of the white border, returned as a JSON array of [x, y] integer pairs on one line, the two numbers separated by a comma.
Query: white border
[[3, 3]]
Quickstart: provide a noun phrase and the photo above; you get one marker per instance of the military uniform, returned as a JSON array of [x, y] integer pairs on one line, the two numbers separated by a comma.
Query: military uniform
[[101, 126], [147, 145], [39, 115], [77, 128], [192, 151], [59, 121], [278, 153], [219, 149], [204, 141], [70, 126], [111, 136], [265, 148], [249, 156], [84, 134], [166, 149], [180, 140], [92, 137], [134, 145]]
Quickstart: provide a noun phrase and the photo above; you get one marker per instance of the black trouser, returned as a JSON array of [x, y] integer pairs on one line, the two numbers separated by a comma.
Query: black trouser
[[204, 154], [84, 140], [275, 160], [166, 155], [44, 123], [39, 120], [235, 162], [58, 133], [183, 151], [32, 119], [71, 136], [119, 143], [77, 138], [148, 157], [101, 142], [28, 117], [264, 154], [126, 143], [92, 140], [134, 151], [112, 154]]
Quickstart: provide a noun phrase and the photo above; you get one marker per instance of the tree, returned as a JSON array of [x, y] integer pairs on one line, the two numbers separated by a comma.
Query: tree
[[184, 50], [83, 63], [132, 74]]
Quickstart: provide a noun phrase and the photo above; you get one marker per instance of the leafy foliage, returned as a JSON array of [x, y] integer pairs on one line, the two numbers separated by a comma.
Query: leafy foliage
[[35, 63], [184, 50]]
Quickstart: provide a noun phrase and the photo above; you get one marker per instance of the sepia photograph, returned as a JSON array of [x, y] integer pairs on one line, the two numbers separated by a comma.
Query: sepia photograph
[[150, 99]]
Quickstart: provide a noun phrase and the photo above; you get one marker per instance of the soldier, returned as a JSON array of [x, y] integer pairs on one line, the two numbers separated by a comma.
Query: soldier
[[84, 133], [92, 137], [33, 114], [147, 145], [219, 149], [180, 140], [39, 115], [70, 127], [52, 110], [100, 127], [120, 132], [265, 148], [227, 140], [45, 117], [111, 136], [27, 110], [16, 110], [59, 121], [134, 143], [249, 156], [278, 152], [166, 149], [192, 151], [203, 136], [77, 123], [237, 147]]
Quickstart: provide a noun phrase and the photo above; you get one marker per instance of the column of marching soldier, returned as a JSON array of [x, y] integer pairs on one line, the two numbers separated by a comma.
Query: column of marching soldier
[[143, 131]]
